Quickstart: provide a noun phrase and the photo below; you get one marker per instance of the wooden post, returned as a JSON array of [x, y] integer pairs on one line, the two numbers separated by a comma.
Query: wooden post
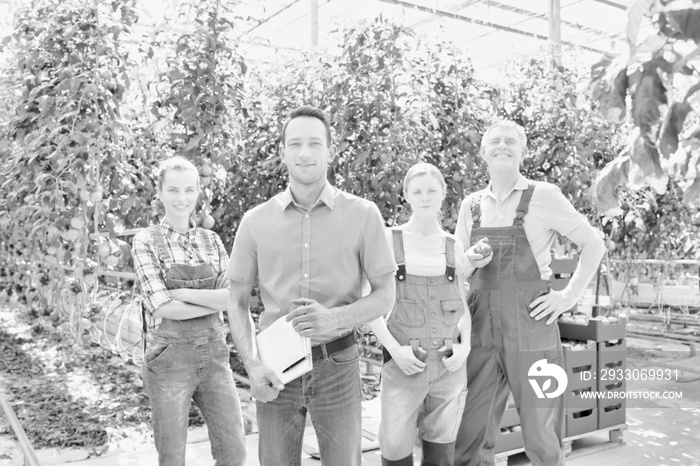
[[314, 24], [555, 29]]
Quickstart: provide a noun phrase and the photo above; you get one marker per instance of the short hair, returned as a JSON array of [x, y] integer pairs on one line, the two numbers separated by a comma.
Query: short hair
[[308, 111], [420, 169], [175, 163], [505, 124]]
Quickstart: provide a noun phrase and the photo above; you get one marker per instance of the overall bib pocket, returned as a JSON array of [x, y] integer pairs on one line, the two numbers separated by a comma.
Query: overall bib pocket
[[452, 311], [409, 313]]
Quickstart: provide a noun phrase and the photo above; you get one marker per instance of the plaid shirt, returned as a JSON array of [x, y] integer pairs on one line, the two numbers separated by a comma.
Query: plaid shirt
[[184, 248]]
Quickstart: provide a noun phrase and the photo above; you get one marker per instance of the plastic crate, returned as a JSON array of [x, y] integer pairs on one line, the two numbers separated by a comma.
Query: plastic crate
[[581, 371], [580, 422], [612, 414], [612, 362], [581, 367], [595, 331]]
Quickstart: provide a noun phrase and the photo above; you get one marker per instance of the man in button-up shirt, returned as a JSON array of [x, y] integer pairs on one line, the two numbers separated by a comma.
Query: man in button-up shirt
[[309, 248]]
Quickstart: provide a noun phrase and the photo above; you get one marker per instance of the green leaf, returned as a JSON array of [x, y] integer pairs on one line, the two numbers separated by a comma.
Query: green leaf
[[692, 192], [193, 143], [681, 20], [652, 44], [635, 15], [609, 86], [673, 124], [604, 188], [649, 98], [128, 204], [645, 168]]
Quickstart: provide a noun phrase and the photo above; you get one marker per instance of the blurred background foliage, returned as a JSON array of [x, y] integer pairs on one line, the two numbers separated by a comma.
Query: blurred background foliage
[[88, 108]]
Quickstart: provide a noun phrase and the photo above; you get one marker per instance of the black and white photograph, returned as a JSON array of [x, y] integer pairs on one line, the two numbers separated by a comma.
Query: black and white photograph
[[349, 232]]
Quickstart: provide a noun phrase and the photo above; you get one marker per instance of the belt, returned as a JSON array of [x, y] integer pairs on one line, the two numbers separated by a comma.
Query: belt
[[333, 346]]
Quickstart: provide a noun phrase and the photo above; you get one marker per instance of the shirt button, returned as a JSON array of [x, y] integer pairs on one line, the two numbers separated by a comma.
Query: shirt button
[[434, 330], [306, 275], [307, 215], [432, 296], [433, 314], [306, 245]]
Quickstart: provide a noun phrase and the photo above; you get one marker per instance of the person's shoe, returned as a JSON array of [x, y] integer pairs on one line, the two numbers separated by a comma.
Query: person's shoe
[[438, 454]]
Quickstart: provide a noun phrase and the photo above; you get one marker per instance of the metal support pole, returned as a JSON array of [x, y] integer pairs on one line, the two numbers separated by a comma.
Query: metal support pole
[[555, 29], [314, 24], [30, 458]]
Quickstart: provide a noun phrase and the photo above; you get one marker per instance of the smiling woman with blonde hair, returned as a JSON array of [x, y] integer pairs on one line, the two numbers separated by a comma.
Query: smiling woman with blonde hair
[[180, 269]]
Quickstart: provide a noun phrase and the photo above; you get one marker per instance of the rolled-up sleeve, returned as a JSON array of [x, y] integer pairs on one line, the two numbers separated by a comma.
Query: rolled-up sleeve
[[243, 264], [462, 232], [375, 252], [149, 272]]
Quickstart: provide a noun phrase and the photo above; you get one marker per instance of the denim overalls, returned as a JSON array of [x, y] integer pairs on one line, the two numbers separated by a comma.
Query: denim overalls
[[506, 341], [426, 314], [189, 359]]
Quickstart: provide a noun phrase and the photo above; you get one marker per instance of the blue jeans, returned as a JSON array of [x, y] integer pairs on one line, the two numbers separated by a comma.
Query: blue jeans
[[332, 395], [179, 368]]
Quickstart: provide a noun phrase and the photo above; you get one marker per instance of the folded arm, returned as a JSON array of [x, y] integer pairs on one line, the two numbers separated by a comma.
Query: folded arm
[[177, 310], [214, 299]]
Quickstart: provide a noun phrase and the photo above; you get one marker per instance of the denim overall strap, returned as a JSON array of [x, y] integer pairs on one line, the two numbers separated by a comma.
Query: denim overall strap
[[206, 240], [159, 243], [397, 237], [450, 259], [450, 274], [523, 205]]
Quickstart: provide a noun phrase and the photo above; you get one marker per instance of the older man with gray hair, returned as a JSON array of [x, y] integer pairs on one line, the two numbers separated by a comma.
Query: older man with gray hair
[[511, 226]]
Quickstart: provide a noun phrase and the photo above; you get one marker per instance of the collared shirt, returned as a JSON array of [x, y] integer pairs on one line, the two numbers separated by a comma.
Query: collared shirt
[[549, 213], [321, 253], [184, 248]]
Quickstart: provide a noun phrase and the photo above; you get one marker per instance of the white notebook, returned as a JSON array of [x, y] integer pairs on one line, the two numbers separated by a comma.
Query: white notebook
[[284, 351]]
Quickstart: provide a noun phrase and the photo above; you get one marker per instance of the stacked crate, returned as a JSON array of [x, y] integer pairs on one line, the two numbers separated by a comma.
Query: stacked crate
[[611, 363], [581, 369]]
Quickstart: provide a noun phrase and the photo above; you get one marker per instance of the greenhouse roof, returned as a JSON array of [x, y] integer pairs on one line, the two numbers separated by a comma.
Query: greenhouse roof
[[492, 32]]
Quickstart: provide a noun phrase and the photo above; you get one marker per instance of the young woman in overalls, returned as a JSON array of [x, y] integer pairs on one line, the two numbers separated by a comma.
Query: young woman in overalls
[[426, 337], [180, 270]]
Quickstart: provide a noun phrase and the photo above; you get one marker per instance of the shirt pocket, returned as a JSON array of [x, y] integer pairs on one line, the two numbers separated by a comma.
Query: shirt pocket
[[409, 313], [452, 311]]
